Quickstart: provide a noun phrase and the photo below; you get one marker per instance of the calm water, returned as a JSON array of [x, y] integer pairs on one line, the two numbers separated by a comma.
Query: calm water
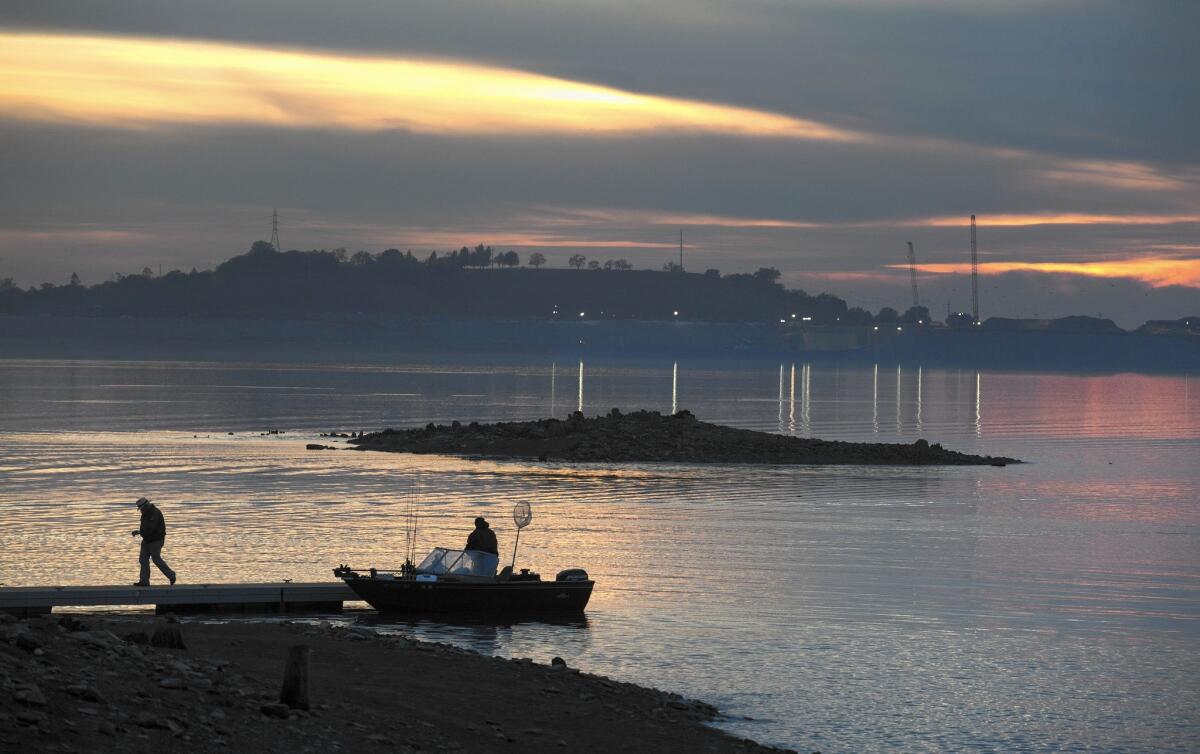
[[1053, 606]]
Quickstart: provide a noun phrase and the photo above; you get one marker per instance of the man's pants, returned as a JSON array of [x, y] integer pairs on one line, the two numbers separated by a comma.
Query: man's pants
[[151, 551]]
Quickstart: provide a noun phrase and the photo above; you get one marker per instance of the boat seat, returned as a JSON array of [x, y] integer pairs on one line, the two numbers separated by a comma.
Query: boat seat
[[505, 573]]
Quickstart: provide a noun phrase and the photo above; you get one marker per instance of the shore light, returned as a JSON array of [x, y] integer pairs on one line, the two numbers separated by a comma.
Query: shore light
[[898, 329], [804, 319], [876, 327], [581, 314]]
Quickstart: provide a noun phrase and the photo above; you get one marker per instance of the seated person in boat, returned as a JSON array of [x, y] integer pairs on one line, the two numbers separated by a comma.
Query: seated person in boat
[[483, 538]]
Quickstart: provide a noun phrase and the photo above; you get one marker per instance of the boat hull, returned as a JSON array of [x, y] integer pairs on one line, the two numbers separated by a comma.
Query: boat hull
[[492, 598]]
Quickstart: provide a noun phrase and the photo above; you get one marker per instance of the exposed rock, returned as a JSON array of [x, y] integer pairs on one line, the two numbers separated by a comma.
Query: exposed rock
[[642, 436], [27, 642], [167, 637], [85, 692], [174, 684], [275, 709], [30, 695]]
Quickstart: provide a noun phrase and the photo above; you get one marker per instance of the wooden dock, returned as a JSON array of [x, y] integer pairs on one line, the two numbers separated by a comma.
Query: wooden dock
[[278, 597]]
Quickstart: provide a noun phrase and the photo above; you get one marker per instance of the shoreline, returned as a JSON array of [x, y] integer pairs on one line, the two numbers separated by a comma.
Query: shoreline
[[649, 437], [74, 682]]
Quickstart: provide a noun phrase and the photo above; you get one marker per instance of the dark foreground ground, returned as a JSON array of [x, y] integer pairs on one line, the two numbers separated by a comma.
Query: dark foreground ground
[[68, 688], [649, 436]]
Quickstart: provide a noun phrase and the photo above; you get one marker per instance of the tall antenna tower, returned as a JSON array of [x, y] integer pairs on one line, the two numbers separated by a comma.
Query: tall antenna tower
[[681, 249], [912, 273], [974, 275], [275, 230]]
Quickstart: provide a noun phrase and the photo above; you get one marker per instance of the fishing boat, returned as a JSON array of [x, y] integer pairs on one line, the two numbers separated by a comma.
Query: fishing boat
[[466, 582]]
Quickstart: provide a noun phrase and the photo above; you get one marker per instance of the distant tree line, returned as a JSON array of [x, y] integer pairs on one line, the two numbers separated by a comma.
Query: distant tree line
[[265, 283]]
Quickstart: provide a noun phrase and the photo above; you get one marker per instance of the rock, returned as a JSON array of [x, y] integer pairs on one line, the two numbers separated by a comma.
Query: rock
[[30, 695], [85, 692], [177, 727], [175, 684], [72, 624], [137, 637], [106, 728], [148, 720], [275, 709], [379, 738], [558, 663], [27, 642], [30, 717], [168, 637]]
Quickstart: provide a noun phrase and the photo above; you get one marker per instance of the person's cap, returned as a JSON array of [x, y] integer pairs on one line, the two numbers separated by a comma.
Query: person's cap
[[142, 501], [480, 520]]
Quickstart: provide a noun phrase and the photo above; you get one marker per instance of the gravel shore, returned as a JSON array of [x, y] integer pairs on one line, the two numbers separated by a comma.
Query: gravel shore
[[85, 684]]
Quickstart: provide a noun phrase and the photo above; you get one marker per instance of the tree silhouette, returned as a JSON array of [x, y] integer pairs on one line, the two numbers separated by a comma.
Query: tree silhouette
[[577, 261], [887, 315], [536, 259], [74, 280], [593, 265]]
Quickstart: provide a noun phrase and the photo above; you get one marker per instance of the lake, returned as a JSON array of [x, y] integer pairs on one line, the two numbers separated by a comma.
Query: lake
[[1049, 606]]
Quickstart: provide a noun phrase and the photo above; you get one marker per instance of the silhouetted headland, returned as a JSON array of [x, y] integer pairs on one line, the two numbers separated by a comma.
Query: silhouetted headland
[[642, 436]]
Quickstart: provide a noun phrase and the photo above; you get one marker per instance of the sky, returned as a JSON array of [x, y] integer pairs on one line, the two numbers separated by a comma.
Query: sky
[[816, 137]]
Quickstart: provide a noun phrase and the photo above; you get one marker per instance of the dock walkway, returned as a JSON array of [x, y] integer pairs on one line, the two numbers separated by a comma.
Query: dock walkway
[[183, 598]]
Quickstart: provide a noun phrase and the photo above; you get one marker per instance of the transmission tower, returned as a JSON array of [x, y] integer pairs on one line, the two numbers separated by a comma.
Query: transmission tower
[[275, 231], [974, 275], [912, 273]]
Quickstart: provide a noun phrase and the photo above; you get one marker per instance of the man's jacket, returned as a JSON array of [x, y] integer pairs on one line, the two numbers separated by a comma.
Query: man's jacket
[[153, 526]]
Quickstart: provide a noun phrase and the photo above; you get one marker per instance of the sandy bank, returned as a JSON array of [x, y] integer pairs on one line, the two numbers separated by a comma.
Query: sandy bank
[[71, 687]]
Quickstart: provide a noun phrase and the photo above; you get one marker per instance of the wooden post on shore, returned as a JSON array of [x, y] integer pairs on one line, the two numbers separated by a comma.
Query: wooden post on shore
[[295, 678]]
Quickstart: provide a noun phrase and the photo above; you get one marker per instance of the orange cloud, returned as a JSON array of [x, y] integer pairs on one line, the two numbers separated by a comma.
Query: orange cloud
[[1062, 218], [1156, 271], [138, 82]]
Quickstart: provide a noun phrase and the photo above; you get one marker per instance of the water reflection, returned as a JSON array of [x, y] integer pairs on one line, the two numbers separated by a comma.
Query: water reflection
[[978, 402], [920, 423], [675, 388], [791, 427], [553, 378], [899, 403], [579, 406], [782, 427], [875, 399], [806, 400]]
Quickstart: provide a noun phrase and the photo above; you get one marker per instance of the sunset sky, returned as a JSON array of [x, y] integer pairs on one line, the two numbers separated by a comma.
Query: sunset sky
[[815, 137]]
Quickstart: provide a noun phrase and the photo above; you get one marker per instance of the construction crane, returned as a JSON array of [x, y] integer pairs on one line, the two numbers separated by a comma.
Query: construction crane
[[912, 274]]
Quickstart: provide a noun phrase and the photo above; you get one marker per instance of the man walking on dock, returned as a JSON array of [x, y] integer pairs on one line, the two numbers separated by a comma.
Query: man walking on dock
[[153, 529]]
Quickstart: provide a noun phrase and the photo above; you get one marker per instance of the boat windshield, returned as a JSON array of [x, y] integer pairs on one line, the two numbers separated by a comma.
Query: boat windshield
[[459, 562]]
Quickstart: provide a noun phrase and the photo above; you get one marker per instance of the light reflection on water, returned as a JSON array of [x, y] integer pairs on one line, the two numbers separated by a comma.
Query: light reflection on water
[[1045, 607]]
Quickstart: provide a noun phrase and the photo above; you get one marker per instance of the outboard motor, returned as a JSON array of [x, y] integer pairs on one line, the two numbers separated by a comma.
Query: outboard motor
[[572, 574]]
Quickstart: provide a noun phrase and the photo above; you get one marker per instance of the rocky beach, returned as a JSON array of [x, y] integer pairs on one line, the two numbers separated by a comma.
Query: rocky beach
[[648, 436], [87, 684]]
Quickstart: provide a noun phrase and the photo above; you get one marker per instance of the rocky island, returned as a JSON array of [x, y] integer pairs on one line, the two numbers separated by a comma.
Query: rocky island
[[642, 436]]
